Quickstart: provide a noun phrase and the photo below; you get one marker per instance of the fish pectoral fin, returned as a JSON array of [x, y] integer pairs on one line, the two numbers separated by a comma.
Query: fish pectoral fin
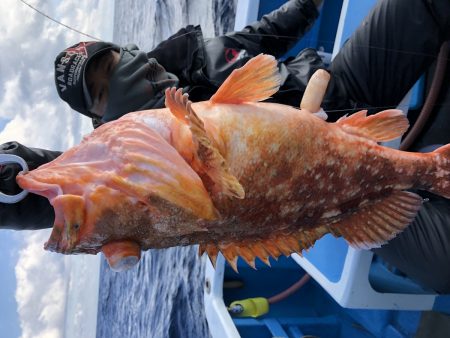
[[257, 80], [375, 224], [384, 126], [210, 160]]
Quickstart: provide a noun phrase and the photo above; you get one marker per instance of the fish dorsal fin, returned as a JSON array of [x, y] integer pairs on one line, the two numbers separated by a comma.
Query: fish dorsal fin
[[274, 246], [375, 224], [384, 126], [257, 80], [208, 157]]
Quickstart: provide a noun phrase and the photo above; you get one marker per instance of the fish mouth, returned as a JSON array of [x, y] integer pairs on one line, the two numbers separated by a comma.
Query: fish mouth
[[59, 241], [69, 216]]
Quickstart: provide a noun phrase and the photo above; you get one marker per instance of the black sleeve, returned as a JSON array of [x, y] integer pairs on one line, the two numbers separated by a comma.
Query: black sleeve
[[390, 50], [274, 34], [33, 212], [277, 32], [182, 53]]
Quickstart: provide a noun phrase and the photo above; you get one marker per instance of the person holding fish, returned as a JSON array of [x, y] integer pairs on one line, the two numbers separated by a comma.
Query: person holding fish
[[108, 69]]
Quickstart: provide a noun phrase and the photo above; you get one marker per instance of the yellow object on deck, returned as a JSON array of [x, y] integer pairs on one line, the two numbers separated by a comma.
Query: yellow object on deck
[[250, 307]]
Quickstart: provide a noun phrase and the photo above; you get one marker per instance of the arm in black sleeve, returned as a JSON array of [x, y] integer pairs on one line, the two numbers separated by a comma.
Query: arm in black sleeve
[[274, 34], [33, 212], [277, 32], [381, 61]]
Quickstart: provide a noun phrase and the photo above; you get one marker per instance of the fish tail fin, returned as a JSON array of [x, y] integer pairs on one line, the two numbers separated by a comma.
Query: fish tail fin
[[440, 181], [257, 80]]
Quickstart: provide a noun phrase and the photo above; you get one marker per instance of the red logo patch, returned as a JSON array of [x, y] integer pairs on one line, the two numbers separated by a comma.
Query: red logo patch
[[79, 49], [231, 55]]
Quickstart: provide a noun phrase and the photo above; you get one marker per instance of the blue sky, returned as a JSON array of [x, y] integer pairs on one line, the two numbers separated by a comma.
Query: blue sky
[[34, 282]]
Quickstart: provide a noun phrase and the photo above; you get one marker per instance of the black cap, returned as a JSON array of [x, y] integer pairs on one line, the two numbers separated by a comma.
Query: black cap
[[70, 66]]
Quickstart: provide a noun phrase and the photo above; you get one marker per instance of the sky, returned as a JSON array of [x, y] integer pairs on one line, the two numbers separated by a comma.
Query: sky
[[37, 287]]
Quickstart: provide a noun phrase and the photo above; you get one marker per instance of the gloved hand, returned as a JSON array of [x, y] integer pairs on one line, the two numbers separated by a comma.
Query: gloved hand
[[33, 212]]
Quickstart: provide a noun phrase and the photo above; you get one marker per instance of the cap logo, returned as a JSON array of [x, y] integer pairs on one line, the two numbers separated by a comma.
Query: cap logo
[[77, 56]]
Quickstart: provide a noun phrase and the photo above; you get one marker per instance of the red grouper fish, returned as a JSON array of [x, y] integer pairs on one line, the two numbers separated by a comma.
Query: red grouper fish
[[235, 175]]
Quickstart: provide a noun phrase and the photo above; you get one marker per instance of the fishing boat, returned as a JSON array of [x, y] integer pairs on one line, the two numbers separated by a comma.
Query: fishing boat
[[333, 290]]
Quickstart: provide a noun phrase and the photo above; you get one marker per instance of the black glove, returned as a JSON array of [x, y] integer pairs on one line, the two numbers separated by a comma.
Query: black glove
[[33, 212]]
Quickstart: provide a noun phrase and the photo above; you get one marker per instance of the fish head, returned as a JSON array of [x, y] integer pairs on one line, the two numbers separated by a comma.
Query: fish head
[[124, 182]]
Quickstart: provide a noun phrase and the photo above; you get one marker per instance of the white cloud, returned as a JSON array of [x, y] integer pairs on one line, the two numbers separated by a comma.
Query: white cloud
[[41, 288], [38, 118], [30, 43]]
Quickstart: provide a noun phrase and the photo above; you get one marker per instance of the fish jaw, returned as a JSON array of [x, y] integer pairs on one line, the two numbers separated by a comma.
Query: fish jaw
[[70, 215]]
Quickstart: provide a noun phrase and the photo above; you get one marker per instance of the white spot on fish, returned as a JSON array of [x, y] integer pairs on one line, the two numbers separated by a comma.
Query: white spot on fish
[[330, 213], [274, 147]]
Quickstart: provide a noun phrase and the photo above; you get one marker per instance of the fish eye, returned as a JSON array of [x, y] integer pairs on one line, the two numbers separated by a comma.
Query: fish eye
[[76, 226]]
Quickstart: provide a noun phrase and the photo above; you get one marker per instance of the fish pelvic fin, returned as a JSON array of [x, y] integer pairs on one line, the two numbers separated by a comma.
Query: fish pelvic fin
[[211, 162], [376, 223], [439, 182], [256, 81], [384, 126]]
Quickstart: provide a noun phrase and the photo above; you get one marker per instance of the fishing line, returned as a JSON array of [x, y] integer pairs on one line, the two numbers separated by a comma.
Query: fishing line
[[58, 22], [310, 40]]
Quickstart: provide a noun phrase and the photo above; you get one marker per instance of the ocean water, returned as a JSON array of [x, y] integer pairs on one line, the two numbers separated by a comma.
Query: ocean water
[[163, 295]]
